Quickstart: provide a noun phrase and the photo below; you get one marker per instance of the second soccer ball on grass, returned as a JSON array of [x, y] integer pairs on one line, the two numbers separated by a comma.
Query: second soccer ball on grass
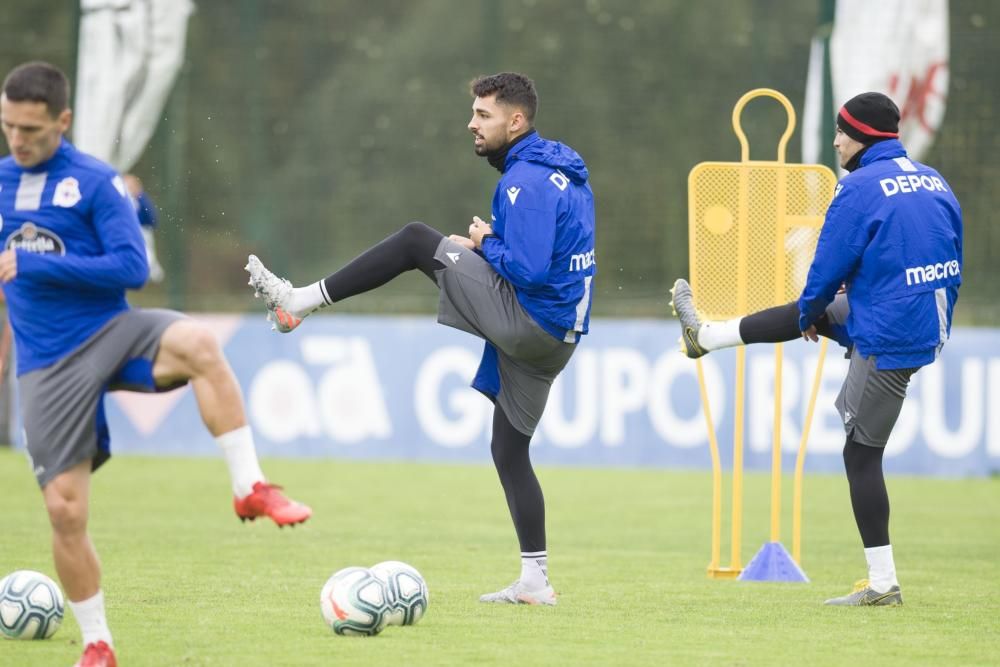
[[407, 591]]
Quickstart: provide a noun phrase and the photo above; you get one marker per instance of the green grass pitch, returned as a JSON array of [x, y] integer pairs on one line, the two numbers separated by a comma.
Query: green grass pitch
[[188, 584]]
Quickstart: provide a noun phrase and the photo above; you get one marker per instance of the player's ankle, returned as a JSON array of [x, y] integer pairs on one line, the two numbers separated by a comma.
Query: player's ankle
[[305, 300], [534, 570]]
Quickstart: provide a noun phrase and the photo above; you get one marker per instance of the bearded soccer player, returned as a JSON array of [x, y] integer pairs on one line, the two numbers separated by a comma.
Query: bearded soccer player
[[521, 282]]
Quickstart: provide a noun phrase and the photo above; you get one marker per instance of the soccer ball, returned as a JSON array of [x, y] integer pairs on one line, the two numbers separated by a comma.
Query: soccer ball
[[407, 591], [355, 602], [31, 606]]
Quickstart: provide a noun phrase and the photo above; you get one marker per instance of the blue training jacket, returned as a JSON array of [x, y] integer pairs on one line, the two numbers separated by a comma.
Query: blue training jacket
[[543, 243], [78, 249], [893, 235]]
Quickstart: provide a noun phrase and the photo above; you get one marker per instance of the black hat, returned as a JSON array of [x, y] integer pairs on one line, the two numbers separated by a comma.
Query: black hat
[[869, 117]]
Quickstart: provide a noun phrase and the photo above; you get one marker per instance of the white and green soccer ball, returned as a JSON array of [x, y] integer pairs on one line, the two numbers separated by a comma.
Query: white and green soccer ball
[[355, 602], [407, 591], [31, 606]]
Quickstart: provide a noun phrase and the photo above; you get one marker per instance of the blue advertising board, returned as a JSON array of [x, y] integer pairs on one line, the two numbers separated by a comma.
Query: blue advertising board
[[397, 388]]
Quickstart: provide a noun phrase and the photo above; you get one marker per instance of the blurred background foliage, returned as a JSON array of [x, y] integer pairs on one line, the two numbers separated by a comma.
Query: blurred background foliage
[[307, 130]]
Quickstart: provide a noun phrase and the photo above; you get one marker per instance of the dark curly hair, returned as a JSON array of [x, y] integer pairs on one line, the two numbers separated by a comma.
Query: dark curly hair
[[510, 88]]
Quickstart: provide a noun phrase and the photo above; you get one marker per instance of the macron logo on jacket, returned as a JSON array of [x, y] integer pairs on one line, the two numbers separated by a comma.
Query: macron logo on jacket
[[916, 275]]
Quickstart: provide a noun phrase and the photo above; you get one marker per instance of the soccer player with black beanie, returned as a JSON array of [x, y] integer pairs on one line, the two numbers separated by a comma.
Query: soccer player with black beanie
[[883, 283]]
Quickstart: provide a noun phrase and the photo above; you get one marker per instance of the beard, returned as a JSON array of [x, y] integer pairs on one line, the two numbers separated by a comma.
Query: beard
[[485, 149]]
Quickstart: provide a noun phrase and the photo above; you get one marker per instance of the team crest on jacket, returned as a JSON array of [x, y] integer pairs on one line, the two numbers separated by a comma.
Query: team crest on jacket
[[32, 238], [67, 193]]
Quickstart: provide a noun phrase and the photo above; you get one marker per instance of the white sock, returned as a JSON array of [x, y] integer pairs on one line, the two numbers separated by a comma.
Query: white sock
[[305, 300], [534, 570], [881, 568], [91, 619], [716, 335], [241, 457]]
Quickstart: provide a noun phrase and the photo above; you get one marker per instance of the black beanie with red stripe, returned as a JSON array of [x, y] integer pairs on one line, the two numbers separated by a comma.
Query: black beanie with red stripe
[[869, 117]]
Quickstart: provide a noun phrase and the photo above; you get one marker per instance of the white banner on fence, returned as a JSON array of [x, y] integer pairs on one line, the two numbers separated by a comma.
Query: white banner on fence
[[900, 48], [129, 54]]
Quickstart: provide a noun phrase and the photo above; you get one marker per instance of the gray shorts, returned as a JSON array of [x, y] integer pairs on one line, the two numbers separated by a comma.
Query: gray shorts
[[870, 400], [62, 405], [838, 310], [476, 299]]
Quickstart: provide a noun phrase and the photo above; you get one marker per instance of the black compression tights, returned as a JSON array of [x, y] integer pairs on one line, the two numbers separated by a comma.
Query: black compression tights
[[869, 497], [778, 325], [412, 247], [520, 485]]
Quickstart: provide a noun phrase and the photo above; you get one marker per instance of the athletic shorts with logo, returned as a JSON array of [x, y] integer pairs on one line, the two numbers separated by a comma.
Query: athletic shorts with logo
[[870, 399], [62, 405], [474, 298]]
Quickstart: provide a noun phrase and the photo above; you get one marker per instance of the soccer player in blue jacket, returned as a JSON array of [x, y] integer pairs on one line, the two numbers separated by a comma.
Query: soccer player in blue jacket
[[71, 247], [522, 282], [883, 283]]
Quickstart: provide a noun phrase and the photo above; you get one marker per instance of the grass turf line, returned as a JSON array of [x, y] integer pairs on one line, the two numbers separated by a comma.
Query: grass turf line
[[188, 584]]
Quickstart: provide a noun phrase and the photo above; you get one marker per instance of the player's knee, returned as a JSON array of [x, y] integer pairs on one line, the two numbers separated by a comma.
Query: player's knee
[[410, 234], [420, 235], [415, 228], [499, 453], [67, 513], [859, 458], [418, 242], [201, 349], [507, 456]]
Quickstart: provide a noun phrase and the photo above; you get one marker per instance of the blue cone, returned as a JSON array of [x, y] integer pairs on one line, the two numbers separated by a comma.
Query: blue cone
[[773, 563]]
